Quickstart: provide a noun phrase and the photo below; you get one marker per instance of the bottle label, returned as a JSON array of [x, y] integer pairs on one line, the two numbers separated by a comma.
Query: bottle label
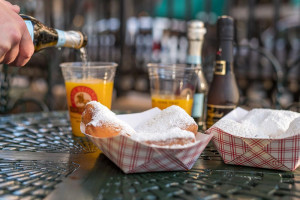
[[30, 28], [79, 96], [220, 67], [216, 112], [198, 105], [61, 38], [193, 59]]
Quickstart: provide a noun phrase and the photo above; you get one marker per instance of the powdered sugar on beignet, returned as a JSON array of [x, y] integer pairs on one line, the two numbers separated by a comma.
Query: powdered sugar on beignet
[[171, 137], [173, 116], [99, 121], [171, 127]]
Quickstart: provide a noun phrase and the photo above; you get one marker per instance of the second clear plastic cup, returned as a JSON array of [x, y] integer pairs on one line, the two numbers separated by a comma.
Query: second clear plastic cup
[[172, 84], [92, 81]]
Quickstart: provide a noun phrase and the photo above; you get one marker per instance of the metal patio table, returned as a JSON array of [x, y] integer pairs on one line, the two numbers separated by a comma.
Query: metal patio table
[[40, 159]]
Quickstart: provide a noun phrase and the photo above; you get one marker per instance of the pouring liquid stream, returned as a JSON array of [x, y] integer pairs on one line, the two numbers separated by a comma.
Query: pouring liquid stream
[[83, 56]]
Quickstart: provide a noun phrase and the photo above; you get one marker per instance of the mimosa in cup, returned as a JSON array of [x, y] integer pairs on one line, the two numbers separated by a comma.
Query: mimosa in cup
[[93, 82], [82, 91], [172, 84], [164, 101]]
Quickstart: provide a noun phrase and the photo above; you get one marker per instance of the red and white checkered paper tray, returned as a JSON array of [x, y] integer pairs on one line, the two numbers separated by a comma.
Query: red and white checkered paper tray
[[134, 157], [281, 154]]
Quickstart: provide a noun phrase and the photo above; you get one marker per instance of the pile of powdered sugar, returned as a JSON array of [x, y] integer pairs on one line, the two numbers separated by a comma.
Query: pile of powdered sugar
[[102, 115], [263, 123], [294, 128], [164, 135], [167, 124], [173, 116]]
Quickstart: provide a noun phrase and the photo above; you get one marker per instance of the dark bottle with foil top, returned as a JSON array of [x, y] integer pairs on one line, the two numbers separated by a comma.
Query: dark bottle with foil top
[[223, 95], [195, 34], [44, 36]]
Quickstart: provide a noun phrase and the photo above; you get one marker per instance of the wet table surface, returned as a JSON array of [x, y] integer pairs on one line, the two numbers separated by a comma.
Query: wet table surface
[[40, 159]]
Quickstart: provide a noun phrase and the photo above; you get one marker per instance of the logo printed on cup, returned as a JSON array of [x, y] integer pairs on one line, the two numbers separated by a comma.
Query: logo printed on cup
[[81, 95]]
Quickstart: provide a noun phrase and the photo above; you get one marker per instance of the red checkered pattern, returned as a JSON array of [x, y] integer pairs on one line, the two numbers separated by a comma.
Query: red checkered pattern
[[280, 154], [134, 157]]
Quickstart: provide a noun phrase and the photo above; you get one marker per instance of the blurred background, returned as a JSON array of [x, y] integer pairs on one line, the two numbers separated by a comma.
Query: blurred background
[[133, 33]]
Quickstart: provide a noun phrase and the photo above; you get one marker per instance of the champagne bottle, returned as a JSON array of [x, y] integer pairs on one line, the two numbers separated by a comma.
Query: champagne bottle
[[43, 36], [195, 34], [223, 94]]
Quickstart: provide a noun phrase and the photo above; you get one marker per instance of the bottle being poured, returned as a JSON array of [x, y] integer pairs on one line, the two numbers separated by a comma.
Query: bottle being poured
[[44, 36]]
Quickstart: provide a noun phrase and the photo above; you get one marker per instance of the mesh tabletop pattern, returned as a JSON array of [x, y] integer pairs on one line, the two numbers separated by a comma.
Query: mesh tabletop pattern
[[210, 153], [201, 184], [42, 132], [231, 183], [31, 179]]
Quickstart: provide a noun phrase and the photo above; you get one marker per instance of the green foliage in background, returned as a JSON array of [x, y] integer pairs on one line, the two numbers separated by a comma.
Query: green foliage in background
[[178, 10]]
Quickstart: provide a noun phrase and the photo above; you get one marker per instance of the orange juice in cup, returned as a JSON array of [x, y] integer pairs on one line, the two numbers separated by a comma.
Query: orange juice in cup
[[164, 101], [172, 84], [81, 92], [84, 84]]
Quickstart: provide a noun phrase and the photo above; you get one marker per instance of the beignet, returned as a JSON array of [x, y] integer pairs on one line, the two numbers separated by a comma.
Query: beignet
[[171, 127]]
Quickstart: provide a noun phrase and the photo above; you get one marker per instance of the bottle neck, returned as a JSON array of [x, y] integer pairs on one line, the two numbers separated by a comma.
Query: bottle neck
[[225, 51], [224, 58], [72, 39], [194, 52]]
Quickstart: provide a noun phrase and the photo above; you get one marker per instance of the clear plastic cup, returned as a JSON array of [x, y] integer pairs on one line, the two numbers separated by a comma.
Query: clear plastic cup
[[172, 84], [91, 81]]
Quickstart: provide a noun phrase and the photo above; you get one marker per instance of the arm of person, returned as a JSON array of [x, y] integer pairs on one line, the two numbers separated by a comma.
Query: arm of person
[[16, 46]]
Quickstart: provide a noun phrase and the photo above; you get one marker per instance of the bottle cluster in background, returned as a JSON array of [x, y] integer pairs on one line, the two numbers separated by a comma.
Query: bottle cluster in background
[[165, 40]]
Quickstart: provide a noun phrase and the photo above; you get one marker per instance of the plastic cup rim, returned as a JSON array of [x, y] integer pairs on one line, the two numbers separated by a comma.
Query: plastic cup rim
[[172, 66], [92, 64]]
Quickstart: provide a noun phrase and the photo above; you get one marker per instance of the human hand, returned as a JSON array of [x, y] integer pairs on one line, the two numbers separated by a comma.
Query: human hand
[[16, 46]]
